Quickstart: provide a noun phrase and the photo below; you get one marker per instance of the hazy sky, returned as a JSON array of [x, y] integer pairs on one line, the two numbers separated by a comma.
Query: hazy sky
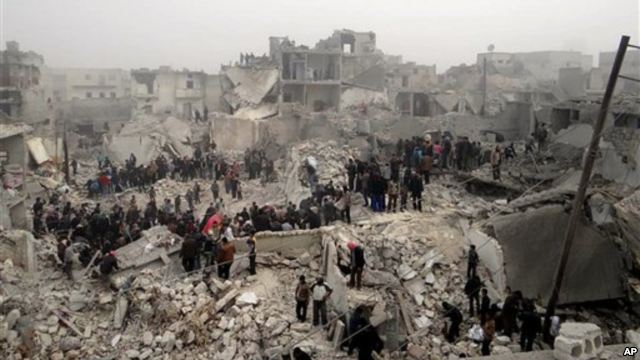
[[201, 34]]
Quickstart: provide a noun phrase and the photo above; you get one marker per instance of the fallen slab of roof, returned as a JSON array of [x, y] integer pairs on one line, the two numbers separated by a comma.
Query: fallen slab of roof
[[532, 242], [38, 151], [252, 85]]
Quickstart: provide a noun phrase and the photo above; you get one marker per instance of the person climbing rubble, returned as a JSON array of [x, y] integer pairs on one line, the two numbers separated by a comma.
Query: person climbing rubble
[[455, 319], [363, 336], [108, 264], [320, 293]]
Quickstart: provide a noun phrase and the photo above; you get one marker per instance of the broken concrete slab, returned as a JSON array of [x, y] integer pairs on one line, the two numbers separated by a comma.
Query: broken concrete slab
[[586, 279]]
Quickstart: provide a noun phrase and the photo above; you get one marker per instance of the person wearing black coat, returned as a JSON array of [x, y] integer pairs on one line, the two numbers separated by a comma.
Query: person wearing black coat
[[357, 265], [530, 327], [416, 188], [455, 316], [472, 289], [188, 253]]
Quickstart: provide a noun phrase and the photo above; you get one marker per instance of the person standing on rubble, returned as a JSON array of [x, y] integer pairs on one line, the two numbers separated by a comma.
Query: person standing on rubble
[[320, 292], [541, 136], [364, 186], [472, 262], [485, 306], [302, 298], [176, 202], [510, 311], [251, 245], [489, 331], [215, 190], [345, 213], [392, 191], [227, 252], [472, 289], [531, 325], [188, 253], [496, 160], [455, 317], [196, 193], [69, 259], [189, 197], [357, 264], [351, 173], [416, 188]]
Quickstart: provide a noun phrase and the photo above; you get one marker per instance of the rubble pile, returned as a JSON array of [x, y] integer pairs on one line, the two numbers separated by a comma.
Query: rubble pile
[[148, 136], [329, 158]]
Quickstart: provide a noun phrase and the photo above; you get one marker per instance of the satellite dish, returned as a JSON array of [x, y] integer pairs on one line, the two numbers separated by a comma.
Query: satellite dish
[[491, 48]]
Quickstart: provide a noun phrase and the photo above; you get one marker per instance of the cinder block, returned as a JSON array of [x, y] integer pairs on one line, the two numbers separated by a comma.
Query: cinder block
[[578, 341]]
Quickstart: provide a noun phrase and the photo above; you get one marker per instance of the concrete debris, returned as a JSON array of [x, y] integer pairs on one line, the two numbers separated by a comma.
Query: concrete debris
[[247, 298]]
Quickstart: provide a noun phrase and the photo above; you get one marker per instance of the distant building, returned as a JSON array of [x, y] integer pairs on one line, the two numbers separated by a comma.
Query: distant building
[[630, 67], [13, 162], [68, 84], [21, 96], [177, 92], [543, 65]]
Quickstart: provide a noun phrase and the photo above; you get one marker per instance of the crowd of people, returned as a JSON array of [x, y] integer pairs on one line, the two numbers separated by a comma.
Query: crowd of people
[[208, 240]]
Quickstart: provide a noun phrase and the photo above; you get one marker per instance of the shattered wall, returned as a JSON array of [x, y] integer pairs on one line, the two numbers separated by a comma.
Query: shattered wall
[[213, 94], [95, 111], [322, 97], [19, 246], [616, 167], [232, 133]]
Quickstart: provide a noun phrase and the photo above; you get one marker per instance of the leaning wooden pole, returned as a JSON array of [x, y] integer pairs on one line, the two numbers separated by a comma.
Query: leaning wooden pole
[[578, 201]]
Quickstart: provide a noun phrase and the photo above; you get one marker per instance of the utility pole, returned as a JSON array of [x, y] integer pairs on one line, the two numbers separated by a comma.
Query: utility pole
[[484, 85], [578, 201]]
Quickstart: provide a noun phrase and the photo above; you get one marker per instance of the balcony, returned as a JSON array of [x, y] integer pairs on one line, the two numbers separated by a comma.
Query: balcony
[[188, 93]]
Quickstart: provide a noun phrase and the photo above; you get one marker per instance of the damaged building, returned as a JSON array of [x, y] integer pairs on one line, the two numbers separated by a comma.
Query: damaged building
[[177, 92]]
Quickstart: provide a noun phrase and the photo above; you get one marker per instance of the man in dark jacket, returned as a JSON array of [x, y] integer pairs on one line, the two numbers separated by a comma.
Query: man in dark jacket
[[313, 218], [416, 188], [530, 326], [455, 316], [472, 289], [485, 306], [472, 262], [510, 312], [357, 264], [188, 253]]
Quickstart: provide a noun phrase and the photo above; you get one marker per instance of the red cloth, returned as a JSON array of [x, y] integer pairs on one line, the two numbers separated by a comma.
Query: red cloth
[[215, 221], [351, 245]]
